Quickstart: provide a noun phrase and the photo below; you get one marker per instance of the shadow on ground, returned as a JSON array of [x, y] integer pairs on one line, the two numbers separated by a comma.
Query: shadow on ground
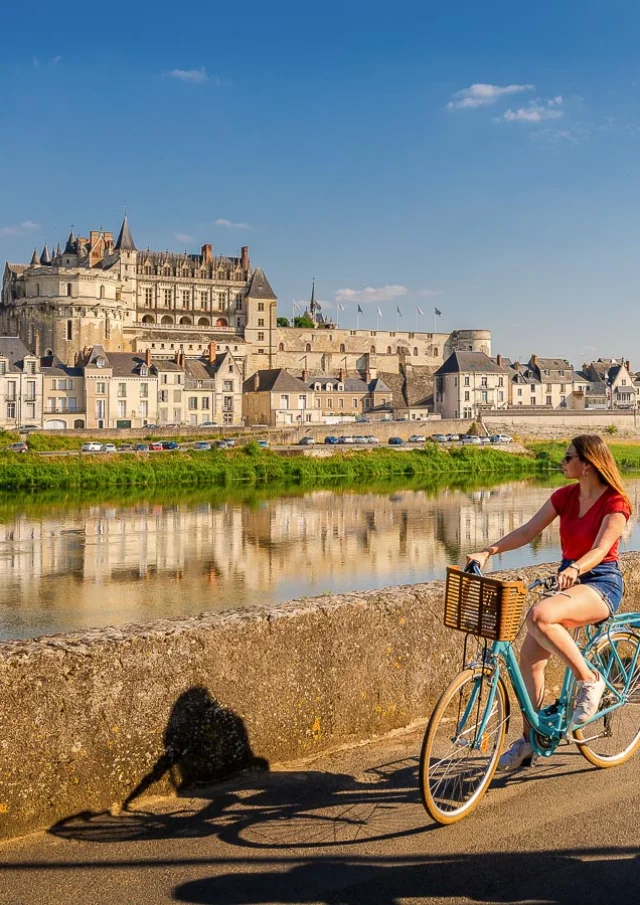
[[553, 878]]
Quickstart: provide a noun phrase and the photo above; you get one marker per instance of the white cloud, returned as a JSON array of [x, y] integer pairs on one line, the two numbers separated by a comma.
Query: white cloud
[[229, 224], [482, 95], [189, 75], [184, 237], [370, 294], [56, 60], [428, 293], [27, 226], [535, 112]]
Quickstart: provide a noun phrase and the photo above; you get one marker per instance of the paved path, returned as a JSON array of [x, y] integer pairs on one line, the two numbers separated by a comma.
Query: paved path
[[348, 829]]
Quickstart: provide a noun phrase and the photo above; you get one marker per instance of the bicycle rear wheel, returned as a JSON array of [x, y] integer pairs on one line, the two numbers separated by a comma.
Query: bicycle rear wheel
[[612, 739], [455, 766]]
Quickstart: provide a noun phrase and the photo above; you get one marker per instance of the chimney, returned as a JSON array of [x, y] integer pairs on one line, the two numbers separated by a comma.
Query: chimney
[[256, 382], [367, 376], [516, 365], [499, 360], [305, 375], [176, 357], [534, 360], [244, 257], [147, 357], [207, 254], [627, 365], [341, 375], [212, 351]]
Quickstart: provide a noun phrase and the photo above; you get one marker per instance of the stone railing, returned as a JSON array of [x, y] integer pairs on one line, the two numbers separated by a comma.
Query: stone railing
[[95, 719]]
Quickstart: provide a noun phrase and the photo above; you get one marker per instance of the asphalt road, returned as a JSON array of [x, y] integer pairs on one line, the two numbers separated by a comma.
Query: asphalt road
[[348, 829]]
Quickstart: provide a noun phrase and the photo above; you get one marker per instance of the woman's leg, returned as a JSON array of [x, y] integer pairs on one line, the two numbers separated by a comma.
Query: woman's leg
[[533, 662], [549, 620]]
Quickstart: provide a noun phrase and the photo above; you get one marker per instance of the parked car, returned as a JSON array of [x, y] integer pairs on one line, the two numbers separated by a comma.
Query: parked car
[[18, 448], [417, 438], [501, 438], [156, 446], [372, 439], [230, 442], [34, 427], [345, 439], [125, 447], [209, 424], [471, 441], [263, 444], [453, 438], [396, 441], [224, 444], [170, 444], [91, 446], [141, 447], [485, 440], [108, 448], [440, 438], [151, 427], [202, 444], [331, 440], [359, 439], [307, 441]]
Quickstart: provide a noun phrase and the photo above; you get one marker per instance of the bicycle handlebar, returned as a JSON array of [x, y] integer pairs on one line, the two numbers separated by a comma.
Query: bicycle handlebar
[[548, 582]]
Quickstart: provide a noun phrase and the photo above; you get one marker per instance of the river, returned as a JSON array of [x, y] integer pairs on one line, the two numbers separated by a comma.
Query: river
[[66, 565]]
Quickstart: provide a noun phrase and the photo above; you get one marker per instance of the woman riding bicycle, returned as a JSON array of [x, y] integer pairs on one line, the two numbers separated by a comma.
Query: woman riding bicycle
[[593, 514]]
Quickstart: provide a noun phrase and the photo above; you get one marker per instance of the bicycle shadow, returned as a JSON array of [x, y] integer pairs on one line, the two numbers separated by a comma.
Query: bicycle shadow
[[254, 808], [555, 878]]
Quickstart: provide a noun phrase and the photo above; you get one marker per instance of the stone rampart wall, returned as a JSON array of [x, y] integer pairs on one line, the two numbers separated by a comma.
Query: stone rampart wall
[[91, 720]]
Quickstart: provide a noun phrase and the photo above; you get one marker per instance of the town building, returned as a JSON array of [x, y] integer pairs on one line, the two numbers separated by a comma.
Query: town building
[[469, 383], [276, 398], [20, 385]]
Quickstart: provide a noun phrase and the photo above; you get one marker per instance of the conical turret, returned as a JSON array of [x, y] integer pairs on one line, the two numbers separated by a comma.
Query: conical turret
[[35, 260], [125, 239], [70, 247], [45, 257]]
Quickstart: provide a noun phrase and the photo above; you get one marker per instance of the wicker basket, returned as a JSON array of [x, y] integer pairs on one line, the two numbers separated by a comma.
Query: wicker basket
[[483, 606]]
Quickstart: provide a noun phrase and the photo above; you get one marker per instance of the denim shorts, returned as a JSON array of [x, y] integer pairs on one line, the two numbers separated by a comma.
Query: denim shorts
[[606, 579]]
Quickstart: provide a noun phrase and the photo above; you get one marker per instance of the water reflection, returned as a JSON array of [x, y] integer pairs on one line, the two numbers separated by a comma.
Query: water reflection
[[66, 567]]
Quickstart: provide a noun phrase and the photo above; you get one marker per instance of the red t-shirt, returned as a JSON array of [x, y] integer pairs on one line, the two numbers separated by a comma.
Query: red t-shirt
[[578, 535]]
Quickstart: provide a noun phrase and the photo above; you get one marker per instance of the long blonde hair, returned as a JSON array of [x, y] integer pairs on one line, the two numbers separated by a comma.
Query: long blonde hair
[[591, 448]]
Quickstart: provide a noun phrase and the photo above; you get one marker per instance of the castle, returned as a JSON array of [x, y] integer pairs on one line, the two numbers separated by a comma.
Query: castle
[[95, 291]]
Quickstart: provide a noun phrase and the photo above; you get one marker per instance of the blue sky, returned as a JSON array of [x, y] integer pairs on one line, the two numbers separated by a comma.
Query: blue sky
[[346, 141]]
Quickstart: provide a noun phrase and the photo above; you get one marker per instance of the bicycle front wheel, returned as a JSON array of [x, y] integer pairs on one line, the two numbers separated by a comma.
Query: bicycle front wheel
[[612, 739], [456, 763]]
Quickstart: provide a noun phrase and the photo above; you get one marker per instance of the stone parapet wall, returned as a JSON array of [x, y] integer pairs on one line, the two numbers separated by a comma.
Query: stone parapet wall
[[92, 719]]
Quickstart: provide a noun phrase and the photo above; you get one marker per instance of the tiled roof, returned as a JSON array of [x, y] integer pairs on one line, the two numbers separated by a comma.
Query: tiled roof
[[125, 239], [51, 366], [126, 364], [12, 348], [259, 287], [479, 362], [275, 379]]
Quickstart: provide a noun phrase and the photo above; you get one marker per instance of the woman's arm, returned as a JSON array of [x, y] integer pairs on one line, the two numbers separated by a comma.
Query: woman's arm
[[518, 538], [610, 531]]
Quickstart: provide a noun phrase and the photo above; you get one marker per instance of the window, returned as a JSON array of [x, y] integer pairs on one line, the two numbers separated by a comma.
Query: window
[[11, 410], [102, 292], [483, 381], [307, 348], [342, 347], [500, 396], [549, 388], [261, 322], [186, 297], [177, 415], [238, 303], [69, 330], [31, 367], [222, 297], [519, 391], [193, 402], [371, 349], [483, 396], [122, 408], [144, 390], [68, 288], [388, 350], [51, 404], [205, 402], [227, 386], [122, 389], [144, 409], [341, 403], [302, 401], [31, 390], [467, 381], [284, 401], [167, 297], [227, 403], [500, 381], [177, 395], [415, 350], [549, 401], [623, 383], [563, 387], [101, 408], [260, 337], [561, 373], [260, 351], [318, 403], [204, 298], [101, 389], [147, 270], [31, 411], [329, 403], [3, 367], [354, 403], [260, 306], [280, 347], [148, 296], [164, 378], [227, 418], [467, 396], [164, 395]]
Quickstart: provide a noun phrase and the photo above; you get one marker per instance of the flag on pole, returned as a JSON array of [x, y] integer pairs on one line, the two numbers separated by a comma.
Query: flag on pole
[[360, 311], [341, 307], [419, 310], [398, 310], [437, 311], [378, 311], [296, 306]]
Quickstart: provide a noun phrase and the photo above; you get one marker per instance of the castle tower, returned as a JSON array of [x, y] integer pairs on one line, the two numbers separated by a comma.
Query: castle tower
[[260, 328], [127, 255]]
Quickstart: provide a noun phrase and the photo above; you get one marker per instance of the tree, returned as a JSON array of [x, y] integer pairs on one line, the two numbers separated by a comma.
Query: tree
[[282, 322], [304, 321]]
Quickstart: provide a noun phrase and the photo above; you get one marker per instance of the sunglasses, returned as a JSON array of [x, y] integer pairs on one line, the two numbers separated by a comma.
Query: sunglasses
[[567, 458]]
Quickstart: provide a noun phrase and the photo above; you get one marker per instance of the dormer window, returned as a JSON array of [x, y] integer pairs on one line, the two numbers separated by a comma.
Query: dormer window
[[3, 366], [100, 361], [340, 387], [317, 387], [144, 371]]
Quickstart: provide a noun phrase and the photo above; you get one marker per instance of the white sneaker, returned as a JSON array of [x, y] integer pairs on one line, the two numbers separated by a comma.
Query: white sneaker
[[519, 754], [588, 697]]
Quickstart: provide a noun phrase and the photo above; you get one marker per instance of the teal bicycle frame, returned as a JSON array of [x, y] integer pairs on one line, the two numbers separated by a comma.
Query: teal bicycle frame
[[550, 725]]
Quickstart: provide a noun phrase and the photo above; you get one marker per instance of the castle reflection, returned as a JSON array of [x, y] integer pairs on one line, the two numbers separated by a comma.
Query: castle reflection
[[68, 568]]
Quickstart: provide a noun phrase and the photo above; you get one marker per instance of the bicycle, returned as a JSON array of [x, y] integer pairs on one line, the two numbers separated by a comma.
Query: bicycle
[[466, 732]]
